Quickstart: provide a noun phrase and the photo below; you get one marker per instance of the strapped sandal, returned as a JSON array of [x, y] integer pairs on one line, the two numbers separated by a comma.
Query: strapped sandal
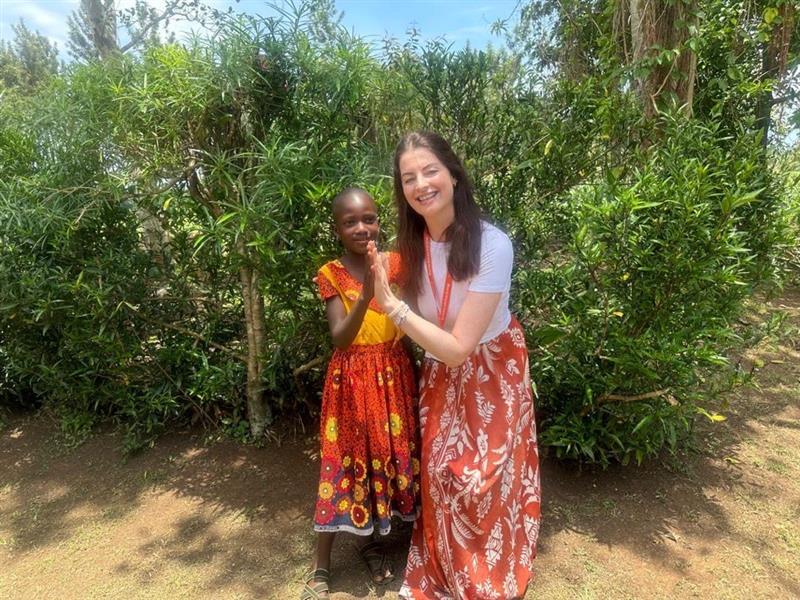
[[378, 563], [316, 585]]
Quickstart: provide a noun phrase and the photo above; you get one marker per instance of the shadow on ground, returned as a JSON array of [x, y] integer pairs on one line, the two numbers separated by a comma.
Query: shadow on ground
[[190, 519]]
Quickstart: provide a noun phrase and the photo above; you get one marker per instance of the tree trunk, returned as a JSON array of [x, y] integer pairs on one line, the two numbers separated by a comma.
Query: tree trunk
[[774, 56], [657, 25], [258, 412], [103, 23]]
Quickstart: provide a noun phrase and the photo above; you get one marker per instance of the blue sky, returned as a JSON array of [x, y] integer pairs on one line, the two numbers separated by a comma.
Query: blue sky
[[458, 21]]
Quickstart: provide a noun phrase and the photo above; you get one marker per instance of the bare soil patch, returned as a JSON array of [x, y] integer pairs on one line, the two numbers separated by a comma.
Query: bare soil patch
[[192, 519]]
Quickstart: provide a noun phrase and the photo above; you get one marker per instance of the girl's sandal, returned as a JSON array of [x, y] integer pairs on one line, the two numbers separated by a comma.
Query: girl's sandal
[[378, 563], [316, 585]]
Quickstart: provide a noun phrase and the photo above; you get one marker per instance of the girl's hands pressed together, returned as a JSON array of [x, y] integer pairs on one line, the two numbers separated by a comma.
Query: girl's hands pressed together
[[368, 285]]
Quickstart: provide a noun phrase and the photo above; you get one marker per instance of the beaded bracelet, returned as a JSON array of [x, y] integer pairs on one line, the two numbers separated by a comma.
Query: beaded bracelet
[[396, 310], [402, 316], [399, 314]]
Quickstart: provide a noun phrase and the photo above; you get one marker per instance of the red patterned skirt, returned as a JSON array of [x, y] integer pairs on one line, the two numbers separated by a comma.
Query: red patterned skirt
[[476, 538], [368, 433]]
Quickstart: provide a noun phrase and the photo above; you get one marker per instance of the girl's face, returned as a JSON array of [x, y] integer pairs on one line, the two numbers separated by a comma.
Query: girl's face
[[356, 218], [427, 183]]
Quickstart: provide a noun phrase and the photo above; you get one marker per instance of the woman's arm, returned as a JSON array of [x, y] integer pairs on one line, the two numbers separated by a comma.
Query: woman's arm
[[471, 323], [451, 348], [344, 326]]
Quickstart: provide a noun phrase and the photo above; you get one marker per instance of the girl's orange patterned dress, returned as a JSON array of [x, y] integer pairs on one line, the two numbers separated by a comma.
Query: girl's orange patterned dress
[[370, 465]]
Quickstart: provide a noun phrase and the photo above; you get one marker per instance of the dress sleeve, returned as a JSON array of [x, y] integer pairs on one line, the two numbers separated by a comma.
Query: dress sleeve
[[326, 289], [397, 273], [497, 259]]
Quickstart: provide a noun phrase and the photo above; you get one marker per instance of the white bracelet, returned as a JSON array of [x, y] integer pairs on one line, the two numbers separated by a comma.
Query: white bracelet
[[402, 317], [396, 310], [399, 313]]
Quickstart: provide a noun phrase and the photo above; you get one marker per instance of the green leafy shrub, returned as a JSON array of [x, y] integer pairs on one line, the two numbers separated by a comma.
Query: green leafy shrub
[[149, 198], [638, 309]]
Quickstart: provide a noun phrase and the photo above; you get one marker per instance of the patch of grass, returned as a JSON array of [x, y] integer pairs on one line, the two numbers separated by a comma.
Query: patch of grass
[[776, 466], [155, 477], [565, 511], [611, 507], [789, 533], [87, 536]]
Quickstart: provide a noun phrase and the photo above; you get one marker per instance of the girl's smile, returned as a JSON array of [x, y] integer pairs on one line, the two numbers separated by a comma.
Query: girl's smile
[[356, 219]]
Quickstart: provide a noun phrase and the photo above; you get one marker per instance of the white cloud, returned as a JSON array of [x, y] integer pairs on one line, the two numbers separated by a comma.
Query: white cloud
[[58, 42], [40, 17]]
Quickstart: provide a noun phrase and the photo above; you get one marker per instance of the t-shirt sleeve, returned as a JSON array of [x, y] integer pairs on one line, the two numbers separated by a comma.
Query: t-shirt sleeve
[[326, 289], [497, 260]]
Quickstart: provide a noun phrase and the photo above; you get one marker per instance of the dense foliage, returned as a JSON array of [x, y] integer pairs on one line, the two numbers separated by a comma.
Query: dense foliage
[[167, 210]]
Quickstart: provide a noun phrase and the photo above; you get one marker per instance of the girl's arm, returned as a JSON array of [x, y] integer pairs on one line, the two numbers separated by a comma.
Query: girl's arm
[[344, 326], [452, 348]]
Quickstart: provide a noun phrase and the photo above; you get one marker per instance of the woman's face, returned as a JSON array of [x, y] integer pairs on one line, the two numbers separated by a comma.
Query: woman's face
[[427, 184]]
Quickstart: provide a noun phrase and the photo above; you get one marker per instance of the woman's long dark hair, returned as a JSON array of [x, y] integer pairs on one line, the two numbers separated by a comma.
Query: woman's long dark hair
[[464, 233]]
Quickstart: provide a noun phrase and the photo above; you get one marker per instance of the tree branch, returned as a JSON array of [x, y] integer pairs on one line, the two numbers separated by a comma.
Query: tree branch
[[190, 333], [170, 11], [308, 366], [609, 398], [606, 398]]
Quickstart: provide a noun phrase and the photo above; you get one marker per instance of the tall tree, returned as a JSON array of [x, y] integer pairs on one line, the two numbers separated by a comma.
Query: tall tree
[[94, 28], [653, 36], [28, 60], [779, 46]]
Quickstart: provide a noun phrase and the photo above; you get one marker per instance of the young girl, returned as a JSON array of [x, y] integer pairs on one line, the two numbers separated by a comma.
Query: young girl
[[368, 427]]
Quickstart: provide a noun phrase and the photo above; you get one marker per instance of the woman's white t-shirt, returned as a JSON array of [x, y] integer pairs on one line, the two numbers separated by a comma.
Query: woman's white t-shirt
[[494, 275]]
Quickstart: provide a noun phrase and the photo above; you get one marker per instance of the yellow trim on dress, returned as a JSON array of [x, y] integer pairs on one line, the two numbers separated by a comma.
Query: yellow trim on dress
[[376, 328]]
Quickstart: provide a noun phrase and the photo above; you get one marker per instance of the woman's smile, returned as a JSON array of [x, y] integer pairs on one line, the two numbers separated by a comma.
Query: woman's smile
[[424, 198], [427, 183]]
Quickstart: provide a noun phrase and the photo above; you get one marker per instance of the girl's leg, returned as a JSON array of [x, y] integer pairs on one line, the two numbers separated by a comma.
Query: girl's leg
[[374, 555], [322, 559], [316, 585]]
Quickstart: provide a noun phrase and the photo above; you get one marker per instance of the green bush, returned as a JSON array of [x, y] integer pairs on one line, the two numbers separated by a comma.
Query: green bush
[[639, 308], [140, 194]]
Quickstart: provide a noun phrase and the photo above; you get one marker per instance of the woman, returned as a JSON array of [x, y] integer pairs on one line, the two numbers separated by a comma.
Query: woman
[[480, 471]]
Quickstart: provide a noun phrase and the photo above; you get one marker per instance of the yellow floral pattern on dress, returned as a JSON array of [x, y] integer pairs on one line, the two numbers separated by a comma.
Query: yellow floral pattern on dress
[[395, 424], [325, 490], [331, 429], [358, 493], [343, 505]]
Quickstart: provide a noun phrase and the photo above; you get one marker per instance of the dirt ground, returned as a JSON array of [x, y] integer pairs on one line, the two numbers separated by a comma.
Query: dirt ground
[[193, 519]]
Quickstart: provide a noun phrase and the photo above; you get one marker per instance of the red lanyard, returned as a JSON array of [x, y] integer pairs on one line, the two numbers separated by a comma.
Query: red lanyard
[[441, 309]]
